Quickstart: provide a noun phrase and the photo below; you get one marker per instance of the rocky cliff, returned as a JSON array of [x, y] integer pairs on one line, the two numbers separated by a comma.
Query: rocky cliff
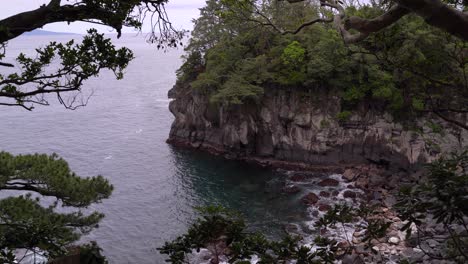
[[300, 128]]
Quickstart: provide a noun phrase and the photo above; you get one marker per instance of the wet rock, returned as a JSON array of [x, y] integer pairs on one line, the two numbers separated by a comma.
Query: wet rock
[[390, 201], [324, 194], [375, 249], [359, 233], [343, 244], [291, 189], [394, 240], [362, 182], [349, 194], [350, 174], [356, 240], [291, 229], [324, 207], [432, 243], [352, 259], [298, 178], [310, 199], [323, 231], [329, 183], [302, 120], [376, 195], [335, 193]]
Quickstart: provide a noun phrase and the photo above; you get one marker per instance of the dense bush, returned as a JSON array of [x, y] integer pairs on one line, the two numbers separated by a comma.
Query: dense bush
[[408, 69]]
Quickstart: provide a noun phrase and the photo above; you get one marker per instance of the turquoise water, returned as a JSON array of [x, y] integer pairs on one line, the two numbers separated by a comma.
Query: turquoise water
[[121, 134]]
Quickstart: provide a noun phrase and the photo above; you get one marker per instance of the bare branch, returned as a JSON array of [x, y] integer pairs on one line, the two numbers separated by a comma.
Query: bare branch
[[6, 64]]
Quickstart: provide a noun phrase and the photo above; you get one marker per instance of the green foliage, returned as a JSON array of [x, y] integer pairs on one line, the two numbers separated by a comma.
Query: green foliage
[[435, 128], [214, 223], [398, 70], [442, 198], [7, 256], [343, 116], [418, 104], [341, 214], [324, 123], [294, 53], [192, 67], [26, 223], [78, 62], [223, 233], [91, 254], [236, 90], [51, 176]]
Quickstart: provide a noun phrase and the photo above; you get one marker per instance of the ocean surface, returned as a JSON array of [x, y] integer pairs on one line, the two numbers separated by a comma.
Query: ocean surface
[[121, 135]]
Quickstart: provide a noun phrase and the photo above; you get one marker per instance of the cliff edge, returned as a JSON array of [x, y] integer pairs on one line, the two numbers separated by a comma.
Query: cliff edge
[[299, 128]]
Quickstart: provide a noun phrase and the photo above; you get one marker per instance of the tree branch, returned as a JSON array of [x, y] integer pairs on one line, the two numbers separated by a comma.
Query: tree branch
[[368, 26], [27, 21], [460, 124], [6, 64], [434, 12], [439, 14], [26, 187]]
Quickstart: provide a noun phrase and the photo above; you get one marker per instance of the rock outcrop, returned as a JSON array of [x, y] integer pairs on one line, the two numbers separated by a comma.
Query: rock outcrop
[[300, 127]]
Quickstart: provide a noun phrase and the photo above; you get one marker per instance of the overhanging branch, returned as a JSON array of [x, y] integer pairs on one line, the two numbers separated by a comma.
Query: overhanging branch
[[27, 21], [434, 12]]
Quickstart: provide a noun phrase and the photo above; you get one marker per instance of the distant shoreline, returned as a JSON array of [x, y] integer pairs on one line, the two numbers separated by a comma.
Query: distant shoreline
[[47, 33], [54, 33]]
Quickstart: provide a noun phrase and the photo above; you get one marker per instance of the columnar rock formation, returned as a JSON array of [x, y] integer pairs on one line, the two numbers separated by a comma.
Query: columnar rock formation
[[300, 127]]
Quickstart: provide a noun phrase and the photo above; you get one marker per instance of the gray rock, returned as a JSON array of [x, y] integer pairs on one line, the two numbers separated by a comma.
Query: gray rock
[[310, 199], [352, 259], [280, 126], [394, 240]]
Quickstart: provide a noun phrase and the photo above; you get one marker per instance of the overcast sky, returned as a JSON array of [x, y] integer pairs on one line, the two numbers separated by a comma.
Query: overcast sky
[[181, 12]]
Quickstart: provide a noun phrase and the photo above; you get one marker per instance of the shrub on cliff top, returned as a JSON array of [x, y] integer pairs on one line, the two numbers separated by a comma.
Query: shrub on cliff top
[[408, 69]]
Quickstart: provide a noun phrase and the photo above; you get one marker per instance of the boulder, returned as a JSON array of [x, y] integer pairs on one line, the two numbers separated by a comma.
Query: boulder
[[349, 194], [324, 194], [298, 178], [350, 174], [324, 207], [310, 199], [291, 189], [394, 240], [329, 183]]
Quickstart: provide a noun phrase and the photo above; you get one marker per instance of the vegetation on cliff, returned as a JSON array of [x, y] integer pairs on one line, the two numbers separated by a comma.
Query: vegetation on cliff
[[408, 69]]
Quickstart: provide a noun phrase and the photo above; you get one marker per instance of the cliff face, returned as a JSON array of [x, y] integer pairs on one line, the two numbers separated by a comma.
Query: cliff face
[[300, 127]]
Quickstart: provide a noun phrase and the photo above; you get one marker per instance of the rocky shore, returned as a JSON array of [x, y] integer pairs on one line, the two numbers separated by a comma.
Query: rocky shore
[[362, 160], [356, 186]]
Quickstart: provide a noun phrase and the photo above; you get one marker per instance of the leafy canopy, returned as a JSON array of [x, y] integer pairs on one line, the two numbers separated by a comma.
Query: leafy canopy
[[409, 69], [34, 220]]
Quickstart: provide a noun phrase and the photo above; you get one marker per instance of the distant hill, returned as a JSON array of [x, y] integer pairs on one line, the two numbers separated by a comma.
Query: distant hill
[[39, 32]]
